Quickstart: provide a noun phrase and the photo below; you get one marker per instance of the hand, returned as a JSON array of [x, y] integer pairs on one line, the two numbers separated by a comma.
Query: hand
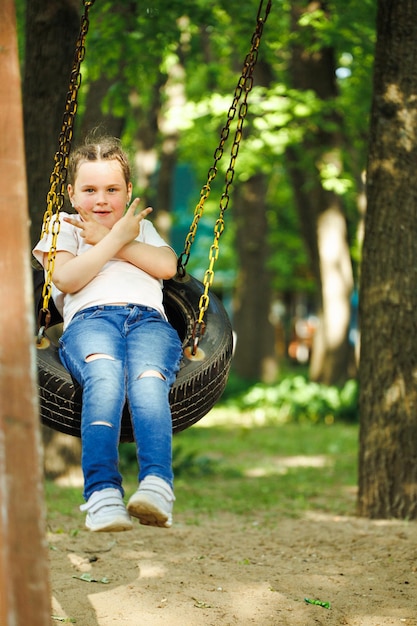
[[91, 230], [128, 226]]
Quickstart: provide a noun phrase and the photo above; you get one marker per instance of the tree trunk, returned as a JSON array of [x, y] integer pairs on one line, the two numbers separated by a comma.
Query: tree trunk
[[94, 117], [52, 27], [321, 213], [24, 576], [255, 357], [388, 294], [174, 90], [51, 33]]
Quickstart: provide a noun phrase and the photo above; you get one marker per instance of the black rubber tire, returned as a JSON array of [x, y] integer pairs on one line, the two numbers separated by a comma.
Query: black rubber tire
[[198, 386]]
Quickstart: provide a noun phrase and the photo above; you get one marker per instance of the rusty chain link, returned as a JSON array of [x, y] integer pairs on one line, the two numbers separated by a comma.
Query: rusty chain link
[[55, 197]]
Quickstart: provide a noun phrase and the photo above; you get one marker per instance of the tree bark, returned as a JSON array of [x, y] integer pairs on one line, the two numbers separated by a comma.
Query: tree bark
[[255, 357], [388, 294], [52, 28], [94, 117], [321, 212], [51, 33], [24, 576]]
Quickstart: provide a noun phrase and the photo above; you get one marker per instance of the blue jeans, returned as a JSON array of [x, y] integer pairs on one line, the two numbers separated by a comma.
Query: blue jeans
[[118, 354]]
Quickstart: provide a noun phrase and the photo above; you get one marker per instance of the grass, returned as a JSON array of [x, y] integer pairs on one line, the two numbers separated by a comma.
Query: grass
[[254, 470]]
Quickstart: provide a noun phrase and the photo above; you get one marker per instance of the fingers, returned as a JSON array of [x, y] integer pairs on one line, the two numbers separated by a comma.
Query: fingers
[[73, 221], [83, 214], [132, 210], [146, 211]]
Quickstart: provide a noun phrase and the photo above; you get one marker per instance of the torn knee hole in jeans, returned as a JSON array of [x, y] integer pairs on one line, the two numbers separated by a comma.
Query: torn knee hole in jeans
[[94, 357], [151, 374], [102, 423]]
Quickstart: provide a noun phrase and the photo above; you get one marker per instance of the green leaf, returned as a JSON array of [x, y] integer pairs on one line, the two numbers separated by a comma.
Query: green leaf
[[86, 577]]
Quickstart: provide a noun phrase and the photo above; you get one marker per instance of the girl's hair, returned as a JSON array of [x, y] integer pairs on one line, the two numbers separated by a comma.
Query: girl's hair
[[104, 148]]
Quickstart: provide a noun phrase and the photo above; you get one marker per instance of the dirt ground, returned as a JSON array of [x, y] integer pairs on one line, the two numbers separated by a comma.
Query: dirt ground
[[229, 570]]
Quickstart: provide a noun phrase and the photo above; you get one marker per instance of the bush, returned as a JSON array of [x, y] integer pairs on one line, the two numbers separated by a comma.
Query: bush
[[295, 399]]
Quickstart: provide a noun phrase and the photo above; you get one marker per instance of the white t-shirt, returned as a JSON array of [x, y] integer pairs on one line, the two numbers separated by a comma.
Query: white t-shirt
[[117, 281]]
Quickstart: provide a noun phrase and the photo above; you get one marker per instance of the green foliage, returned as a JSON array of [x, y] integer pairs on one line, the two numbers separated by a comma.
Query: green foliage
[[191, 464], [185, 461], [295, 399], [135, 46], [263, 472], [305, 432], [267, 470]]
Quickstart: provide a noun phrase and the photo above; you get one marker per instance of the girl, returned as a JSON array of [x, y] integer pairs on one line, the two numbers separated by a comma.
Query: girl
[[117, 342]]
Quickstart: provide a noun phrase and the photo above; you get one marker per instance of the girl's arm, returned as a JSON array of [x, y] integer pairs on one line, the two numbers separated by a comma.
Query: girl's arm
[[159, 262], [71, 273]]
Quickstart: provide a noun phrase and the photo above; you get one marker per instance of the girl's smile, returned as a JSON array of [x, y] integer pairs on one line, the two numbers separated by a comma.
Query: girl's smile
[[101, 189]]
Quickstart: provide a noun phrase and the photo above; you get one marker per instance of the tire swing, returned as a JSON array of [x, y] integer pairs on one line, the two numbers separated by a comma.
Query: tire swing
[[196, 313]]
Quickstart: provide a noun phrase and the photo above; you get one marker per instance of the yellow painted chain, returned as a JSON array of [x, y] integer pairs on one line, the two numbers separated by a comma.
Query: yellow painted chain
[[244, 86], [55, 197]]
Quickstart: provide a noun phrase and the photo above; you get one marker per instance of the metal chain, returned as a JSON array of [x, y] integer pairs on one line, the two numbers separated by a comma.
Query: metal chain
[[55, 197], [244, 86]]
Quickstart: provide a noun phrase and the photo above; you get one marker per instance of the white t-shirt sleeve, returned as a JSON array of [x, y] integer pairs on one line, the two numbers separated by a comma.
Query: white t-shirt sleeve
[[67, 239]]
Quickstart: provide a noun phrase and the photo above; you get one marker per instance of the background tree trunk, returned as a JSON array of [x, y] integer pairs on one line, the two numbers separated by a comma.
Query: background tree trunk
[[255, 357], [94, 117], [52, 28], [51, 33], [321, 211], [388, 294]]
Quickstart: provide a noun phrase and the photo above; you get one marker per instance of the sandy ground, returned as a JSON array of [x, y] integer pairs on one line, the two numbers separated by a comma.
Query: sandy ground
[[229, 570]]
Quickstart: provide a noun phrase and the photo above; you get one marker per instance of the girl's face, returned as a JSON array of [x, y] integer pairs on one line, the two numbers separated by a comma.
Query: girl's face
[[100, 188]]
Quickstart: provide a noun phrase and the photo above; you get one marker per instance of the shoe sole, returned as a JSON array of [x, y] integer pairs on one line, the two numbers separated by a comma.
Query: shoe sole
[[114, 526], [148, 513]]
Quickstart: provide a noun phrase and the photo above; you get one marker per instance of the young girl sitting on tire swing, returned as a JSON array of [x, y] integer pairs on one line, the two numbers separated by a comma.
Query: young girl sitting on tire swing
[[117, 342]]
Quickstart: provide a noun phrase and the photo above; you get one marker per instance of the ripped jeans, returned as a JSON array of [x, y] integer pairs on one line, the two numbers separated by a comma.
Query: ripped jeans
[[120, 354]]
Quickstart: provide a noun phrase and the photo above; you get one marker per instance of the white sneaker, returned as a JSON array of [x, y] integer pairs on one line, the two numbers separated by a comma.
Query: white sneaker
[[106, 511], [152, 503]]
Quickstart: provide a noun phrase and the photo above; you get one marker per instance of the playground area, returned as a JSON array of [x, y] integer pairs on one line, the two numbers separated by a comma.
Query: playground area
[[260, 567], [231, 569]]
